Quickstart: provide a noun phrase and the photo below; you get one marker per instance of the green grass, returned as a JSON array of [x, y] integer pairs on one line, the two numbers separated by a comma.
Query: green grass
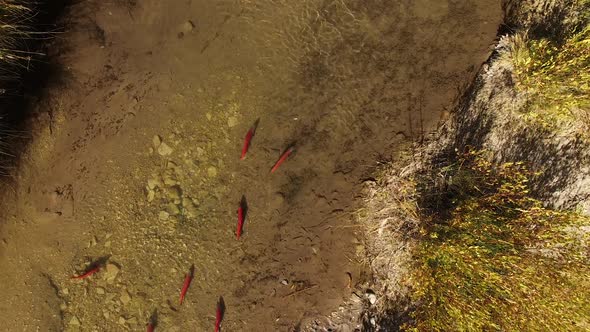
[[555, 76], [501, 261]]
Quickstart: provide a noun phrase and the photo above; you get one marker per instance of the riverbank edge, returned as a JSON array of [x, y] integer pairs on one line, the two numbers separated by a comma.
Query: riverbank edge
[[489, 116]]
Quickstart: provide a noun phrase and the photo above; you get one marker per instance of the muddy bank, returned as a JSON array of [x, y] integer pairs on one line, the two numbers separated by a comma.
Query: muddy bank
[[345, 82]]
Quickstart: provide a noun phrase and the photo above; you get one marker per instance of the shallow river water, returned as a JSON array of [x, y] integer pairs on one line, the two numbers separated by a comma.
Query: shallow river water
[[136, 146]]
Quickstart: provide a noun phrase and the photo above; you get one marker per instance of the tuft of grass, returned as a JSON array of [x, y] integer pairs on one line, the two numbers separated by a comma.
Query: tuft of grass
[[14, 16], [556, 76], [501, 261]]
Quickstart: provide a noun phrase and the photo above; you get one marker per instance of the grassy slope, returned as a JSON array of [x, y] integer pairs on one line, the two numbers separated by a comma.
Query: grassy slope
[[555, 73], [496, 259], [500, 260]]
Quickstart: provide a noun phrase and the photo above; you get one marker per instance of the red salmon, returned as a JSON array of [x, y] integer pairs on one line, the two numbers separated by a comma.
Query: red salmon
[[282, 159], [249, 136], [219, 314], [187, 283], [87, 273]]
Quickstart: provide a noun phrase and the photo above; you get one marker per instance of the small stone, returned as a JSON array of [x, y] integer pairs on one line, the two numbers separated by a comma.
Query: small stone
[[174, 192], [188, 205], [165, 150], [107, 244], [169, 181], [106, 314], [173, 210], [65, 291], [151, 150], [151, 195], [212, 171], [371, 297], [157, 140], [209, 116], [153, 183], [187, 201], [99, 290], [75, 321], [125, 297], [188, 26], [121, 320], [285, 282], [163, 215], [110, 297], [171, 165], [63, 307], [360, 248], [232, 121], [112, 271], [278, 199], [190, 213], [132, 321]]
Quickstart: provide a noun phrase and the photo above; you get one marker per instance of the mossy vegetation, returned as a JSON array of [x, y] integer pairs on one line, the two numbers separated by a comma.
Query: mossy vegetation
[[500, 261], [555, 74]]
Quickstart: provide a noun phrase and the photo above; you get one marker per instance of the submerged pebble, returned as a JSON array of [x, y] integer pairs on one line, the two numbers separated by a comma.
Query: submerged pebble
[[163, 215], [212, 171], [232, 121], [112, 271], [125, 297], [165, 150], [75, 321], [156, 141], [151, 195], [188, 26], [172, 209]]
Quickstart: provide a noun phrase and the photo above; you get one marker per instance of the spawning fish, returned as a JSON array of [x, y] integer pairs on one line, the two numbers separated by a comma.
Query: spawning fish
[[240, 222], [187, 283], [242, 210], [249, 136], [282, 159], [219, 314], [87, 273], [151, 326]]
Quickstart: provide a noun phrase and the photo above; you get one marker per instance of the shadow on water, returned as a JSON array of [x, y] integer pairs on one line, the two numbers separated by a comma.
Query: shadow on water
[[29, 77]]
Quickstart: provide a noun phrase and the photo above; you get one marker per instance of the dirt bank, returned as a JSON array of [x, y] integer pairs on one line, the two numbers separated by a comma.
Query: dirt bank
[[346, 82]]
